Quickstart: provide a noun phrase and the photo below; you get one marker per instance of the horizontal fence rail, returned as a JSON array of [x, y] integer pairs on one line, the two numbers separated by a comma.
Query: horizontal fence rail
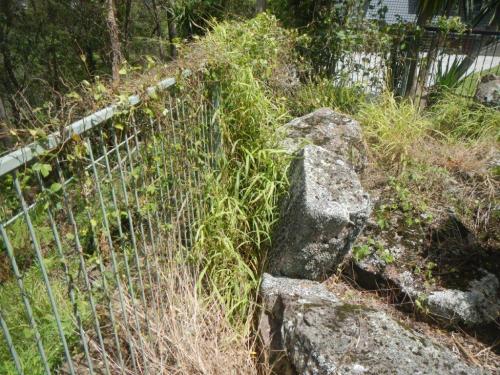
[[87, 218]]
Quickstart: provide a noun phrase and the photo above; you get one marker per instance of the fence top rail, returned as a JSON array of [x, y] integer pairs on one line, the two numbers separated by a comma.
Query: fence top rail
[[24, 155]]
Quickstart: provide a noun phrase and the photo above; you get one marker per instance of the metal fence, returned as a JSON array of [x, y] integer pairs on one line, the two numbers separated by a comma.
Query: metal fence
[[447, 60], [418, 65], [81, 217]]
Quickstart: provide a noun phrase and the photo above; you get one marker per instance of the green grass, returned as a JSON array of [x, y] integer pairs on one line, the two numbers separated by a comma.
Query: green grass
[[323, 93], [392, 128], [458, 118], [467, 86], [18, 323]]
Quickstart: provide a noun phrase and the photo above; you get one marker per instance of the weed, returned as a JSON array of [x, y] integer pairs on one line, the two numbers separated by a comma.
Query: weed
[[242, 196], [428, 274], [457, 119], [421, 304], [360, 252], [192, 332], [381, 251]]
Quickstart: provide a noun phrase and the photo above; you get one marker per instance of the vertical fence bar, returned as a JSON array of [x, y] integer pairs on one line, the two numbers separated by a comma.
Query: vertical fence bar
[[110, 244], [114, 262], [26, 302], [39, 256], [139, 211], [188, 171], [79, 251], [10, 344], [179, 209], [157, 304], [69, 279], [134, 244], [141, 228], [471, 81]]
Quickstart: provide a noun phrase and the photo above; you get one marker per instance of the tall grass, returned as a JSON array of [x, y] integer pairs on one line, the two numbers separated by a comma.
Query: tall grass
[[18, 323], [457, 118], [447, 147], [242, 197], [319, 93], [190, 330], [392, 128]]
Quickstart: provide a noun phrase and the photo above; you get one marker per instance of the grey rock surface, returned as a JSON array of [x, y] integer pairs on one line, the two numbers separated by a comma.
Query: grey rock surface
[[488, 90], [478, 305], [335, 132], [324, 213], [314, 333]]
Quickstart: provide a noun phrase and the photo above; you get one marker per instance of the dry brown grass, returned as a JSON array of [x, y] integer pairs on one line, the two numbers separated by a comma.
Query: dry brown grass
[[189, 332]]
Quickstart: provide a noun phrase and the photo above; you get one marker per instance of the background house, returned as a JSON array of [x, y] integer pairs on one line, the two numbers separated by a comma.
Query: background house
[[406, 11]]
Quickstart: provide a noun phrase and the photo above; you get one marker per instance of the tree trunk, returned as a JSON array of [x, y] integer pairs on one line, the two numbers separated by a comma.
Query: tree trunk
[[3, 112], [126, 25], [6, 139], [172, 29], [157, 30], [261, 6], [115, 43]]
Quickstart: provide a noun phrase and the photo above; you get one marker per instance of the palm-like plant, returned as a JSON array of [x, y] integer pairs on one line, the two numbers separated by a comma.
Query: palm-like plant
[[428, 9]]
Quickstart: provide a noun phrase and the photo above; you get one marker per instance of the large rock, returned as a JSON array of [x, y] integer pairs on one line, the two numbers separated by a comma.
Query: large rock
[[478, 305], [325, 211], [488, 90], [310, 332], [335, 132]]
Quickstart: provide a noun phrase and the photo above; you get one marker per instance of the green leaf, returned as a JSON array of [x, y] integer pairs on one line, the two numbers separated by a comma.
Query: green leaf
[[55, 187], [43, 169]]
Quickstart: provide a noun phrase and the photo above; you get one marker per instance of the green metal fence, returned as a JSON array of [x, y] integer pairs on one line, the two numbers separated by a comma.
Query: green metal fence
[[83, 218]]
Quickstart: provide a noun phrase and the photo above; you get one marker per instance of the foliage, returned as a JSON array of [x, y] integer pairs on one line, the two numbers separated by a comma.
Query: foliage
[[194, 16], [324, 93], [48, 48], [449, 24], [427, 9], [360, 252], [242, 197], [392, 128], [16, 318], [330, 30], [459, 119]]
